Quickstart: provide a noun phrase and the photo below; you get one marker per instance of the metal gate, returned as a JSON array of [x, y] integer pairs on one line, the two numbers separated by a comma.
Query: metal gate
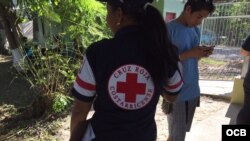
[[227, 29]]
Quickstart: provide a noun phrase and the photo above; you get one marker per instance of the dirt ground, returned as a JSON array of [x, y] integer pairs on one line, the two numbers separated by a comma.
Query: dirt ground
[[16, 93], [208, 106], [13, 90]]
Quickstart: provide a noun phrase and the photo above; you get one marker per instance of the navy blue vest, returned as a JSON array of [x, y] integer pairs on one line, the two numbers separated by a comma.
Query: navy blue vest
[[246, 46], [120, 72]]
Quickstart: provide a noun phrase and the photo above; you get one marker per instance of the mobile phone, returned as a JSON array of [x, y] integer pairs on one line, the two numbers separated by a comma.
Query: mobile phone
[[209, 47], [212, 46]]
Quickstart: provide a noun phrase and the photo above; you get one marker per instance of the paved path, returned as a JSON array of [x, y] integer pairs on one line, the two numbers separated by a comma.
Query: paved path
[[209, 129], [216, 88]]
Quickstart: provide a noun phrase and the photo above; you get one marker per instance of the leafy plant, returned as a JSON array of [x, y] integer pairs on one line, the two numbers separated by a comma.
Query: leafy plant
[[70, 26], [52, 73], [60, 102], [82, 21]]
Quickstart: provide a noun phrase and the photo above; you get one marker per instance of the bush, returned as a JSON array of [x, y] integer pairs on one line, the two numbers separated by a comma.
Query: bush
[[52, 74]]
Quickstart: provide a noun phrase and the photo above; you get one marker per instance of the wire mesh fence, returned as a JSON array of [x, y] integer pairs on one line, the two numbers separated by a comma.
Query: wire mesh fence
[[228, 26], [227, 29]]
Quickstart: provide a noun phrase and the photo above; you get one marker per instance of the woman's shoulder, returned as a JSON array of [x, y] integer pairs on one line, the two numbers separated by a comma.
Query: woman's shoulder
[[100, 43], [97, 49]]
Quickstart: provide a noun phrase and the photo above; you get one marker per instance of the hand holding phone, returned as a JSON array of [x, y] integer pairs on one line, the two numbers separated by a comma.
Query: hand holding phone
[[208, 49]]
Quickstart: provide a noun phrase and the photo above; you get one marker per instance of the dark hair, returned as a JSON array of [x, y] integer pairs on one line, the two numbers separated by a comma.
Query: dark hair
[[198, 5], [161, 54]]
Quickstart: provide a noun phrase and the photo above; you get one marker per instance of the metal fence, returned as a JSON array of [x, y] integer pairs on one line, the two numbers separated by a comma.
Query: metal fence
[[228, 26], [227, 29]]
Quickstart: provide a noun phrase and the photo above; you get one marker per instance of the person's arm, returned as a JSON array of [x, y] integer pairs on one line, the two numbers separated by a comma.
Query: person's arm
[[84, 91], [196, 52], [244, 52], [78, 119], [173, 88]]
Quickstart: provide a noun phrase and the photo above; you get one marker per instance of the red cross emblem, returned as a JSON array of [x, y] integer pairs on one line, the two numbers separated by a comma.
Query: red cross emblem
[[131, 88]]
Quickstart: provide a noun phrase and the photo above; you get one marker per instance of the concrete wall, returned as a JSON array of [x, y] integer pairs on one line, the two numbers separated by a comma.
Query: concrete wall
[[174, 6]]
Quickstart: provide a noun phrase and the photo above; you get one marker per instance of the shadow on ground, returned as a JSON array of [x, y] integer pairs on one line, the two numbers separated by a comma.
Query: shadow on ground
[[19, 117], [232, 112], [13, 91], [15, 96]]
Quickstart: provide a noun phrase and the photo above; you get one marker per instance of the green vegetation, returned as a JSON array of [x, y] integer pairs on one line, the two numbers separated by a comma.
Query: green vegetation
[[52, 60], [70, 27], [233, 18], [211, 62]]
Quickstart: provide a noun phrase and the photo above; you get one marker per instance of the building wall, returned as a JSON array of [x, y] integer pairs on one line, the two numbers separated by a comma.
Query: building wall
[[173, 6]]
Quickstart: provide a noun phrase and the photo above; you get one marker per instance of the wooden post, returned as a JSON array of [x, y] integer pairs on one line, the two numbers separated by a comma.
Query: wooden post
[[238, 93]]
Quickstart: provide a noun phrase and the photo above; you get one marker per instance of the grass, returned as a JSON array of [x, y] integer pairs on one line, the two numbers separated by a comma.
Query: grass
[[211, 62]]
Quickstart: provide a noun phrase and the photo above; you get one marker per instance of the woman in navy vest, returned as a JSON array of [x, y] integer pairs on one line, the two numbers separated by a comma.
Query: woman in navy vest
[[123, 77]]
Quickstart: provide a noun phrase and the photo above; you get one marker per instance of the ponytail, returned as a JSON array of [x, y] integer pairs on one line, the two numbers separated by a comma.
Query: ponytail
[[160, 53]]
